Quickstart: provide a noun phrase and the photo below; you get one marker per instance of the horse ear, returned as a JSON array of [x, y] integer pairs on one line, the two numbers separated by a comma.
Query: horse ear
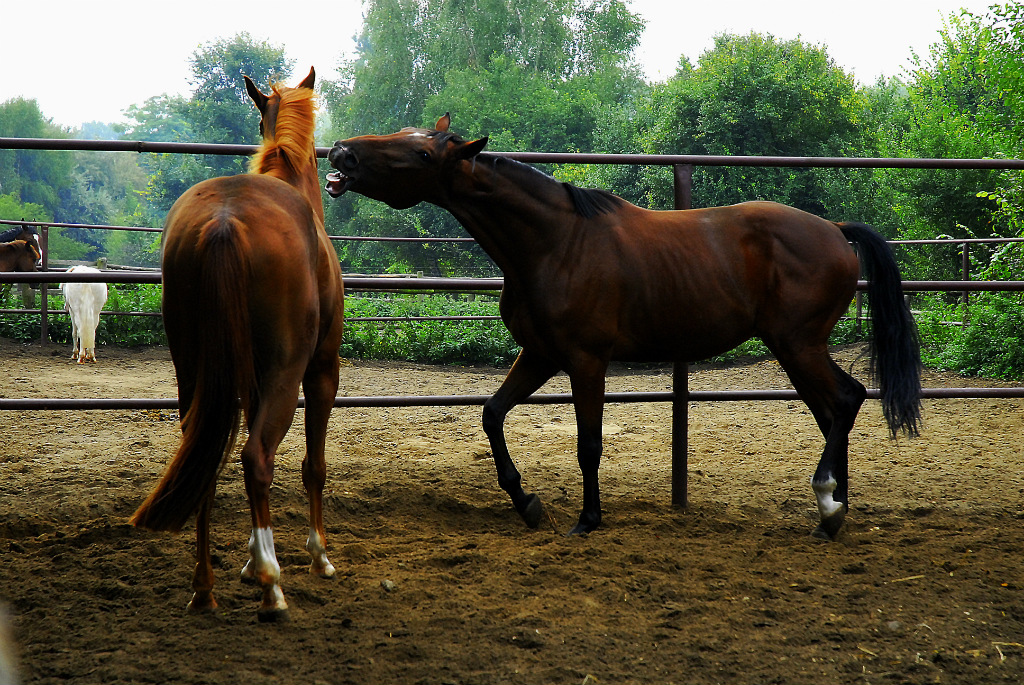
[[258, 98], [471, 149], [309, 80], [443, 123]]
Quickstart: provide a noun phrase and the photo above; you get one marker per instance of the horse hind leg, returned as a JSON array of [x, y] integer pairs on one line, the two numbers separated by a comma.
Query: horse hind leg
[[834, 398], [273, 418], [588, 398], [320, 386], [202, 579]]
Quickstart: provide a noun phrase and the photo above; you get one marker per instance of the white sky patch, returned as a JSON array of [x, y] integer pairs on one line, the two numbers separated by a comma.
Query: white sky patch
[[88, 61]]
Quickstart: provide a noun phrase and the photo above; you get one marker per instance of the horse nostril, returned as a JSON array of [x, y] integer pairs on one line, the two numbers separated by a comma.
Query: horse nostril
[[342, 157], [349, 159]]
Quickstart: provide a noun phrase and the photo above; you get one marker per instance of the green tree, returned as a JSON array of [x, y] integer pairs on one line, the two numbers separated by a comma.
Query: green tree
[[34, 176], [754, 95], [953, 108]]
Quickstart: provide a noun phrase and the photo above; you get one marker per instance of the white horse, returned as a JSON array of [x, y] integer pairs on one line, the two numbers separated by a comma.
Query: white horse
[[84, 301]]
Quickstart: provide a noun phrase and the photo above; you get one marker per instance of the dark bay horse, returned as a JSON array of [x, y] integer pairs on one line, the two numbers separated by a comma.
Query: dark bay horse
[[591, 278], [252, 304]]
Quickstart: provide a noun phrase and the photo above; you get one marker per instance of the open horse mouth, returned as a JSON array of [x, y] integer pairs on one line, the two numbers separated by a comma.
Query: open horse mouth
[[337, 184]]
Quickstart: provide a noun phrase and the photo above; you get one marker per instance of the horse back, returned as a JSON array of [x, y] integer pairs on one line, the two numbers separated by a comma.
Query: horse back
[[656, 285]]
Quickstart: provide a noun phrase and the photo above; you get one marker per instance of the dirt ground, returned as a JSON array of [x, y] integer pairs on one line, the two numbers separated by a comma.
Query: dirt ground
[[439, 581]]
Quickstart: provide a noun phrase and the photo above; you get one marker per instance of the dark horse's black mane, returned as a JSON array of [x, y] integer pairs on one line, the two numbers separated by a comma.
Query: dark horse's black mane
[[11, 234], [589, 202]]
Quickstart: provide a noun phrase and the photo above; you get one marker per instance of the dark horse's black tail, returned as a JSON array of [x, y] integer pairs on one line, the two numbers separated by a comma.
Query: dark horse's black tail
[[895, 350]]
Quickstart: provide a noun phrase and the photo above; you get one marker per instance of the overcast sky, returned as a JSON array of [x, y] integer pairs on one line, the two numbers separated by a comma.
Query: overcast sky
[[88, 60]]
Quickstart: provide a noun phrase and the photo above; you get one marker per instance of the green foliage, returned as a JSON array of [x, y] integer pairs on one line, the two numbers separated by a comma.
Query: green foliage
[[61, 245], [35, 177], [753, 95], [435, 342], [123, 331], [131, 331], [991, 344], [12, 208], [949, 111]]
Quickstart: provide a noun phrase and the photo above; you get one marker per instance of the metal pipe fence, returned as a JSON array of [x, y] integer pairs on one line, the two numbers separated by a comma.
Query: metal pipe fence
[[682, 166]]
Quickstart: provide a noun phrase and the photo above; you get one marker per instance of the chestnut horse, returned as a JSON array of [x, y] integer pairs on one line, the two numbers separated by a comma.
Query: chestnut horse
[[16, 257], [591, 278], [252, 305], [19, 255]]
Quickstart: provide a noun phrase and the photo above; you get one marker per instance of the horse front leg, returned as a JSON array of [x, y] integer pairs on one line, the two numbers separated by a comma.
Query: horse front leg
[[588, 399], [527, 375], [320, 386], [202, 579]]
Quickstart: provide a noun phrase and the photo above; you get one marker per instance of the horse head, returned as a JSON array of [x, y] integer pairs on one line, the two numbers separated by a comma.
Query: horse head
[[30, 236], [269, 105], [403, 168], [27, 233], [287, 126]]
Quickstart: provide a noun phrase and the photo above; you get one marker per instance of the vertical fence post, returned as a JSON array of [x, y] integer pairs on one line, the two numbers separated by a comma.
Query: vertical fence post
[[859, 297], [683, 188], [966, 277], [44, 243]]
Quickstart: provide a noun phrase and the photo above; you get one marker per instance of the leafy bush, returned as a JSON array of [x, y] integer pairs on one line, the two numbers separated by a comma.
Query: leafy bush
[[125, 331], [131, 331], [435, 342], [990, 344]]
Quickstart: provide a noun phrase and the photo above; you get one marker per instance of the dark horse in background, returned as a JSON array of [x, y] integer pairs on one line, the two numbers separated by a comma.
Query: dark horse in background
[[19, 249], [252, 305], [591, 278]]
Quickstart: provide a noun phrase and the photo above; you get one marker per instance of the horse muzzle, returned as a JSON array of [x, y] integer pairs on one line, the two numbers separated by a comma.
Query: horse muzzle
[[343, 159]]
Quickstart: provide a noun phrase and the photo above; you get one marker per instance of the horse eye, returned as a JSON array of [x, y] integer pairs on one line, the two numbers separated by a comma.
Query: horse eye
[[424, 155]]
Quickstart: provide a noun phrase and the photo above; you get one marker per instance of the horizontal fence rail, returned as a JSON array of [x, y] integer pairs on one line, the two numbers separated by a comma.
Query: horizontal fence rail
[[387, 283], [382, 401], [143, 146]]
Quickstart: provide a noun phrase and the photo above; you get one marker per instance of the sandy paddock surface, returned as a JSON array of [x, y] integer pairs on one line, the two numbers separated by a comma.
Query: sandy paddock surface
[[439, 582]]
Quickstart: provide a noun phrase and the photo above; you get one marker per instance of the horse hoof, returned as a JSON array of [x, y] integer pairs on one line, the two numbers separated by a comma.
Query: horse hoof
[[272, 615], [327, 571], [533, 511], [201, 604], [829, 527], [582, 527]]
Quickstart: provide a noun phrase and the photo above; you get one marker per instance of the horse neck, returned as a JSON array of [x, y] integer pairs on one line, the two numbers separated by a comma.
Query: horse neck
[[15, 256], [516, 214], [306, 180]]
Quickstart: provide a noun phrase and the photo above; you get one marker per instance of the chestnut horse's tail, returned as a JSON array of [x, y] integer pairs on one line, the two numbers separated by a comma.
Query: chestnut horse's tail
[[224, 373], [895, 350]]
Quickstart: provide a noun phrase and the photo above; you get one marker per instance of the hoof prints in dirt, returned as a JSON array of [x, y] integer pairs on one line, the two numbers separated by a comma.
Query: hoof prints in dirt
[[439, 580]]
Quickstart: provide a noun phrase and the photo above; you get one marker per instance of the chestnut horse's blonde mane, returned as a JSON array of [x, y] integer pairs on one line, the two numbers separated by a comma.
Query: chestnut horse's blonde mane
[[289, 149]]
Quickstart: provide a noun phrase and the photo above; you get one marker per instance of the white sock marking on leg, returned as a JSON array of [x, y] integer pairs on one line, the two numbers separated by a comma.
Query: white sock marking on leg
[[318, 551], [823, 492]]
